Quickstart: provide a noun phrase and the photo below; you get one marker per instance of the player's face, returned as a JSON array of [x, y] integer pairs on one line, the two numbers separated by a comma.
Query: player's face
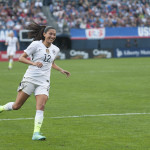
[[11, 34], [50, 36]]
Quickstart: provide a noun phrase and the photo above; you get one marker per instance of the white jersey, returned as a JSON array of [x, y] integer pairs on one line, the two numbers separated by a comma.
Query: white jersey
[[38, 52], [11, 48], [12, 41]]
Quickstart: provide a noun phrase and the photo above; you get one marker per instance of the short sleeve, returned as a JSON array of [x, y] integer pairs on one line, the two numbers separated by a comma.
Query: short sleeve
[[31, 48], [7, 39], [58, 50]]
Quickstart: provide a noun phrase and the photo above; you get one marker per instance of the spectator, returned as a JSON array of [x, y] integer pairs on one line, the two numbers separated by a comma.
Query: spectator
[[116, 13], [17, 15], [38, 3]]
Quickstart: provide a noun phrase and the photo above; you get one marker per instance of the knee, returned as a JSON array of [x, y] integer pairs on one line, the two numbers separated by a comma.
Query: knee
[[40, 107], [41, 101], [16, 107]]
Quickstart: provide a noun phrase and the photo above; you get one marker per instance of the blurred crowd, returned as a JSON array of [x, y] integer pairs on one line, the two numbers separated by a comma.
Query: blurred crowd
[[16, 14], [101, 13]]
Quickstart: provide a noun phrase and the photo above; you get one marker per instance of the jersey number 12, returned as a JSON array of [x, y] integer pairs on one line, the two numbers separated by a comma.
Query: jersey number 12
[[47, 58]]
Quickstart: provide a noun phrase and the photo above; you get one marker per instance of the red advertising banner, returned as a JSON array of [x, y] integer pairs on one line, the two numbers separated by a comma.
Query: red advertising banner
[[4, 57]]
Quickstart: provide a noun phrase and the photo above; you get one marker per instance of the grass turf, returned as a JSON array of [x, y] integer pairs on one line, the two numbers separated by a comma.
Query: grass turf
[[96, 86]]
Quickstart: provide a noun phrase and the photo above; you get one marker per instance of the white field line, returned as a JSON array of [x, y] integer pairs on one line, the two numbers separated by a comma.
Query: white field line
[[99, 115]]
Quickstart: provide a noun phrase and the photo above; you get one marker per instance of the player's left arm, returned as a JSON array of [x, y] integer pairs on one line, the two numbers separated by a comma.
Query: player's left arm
[[54, 66], [6, 43], [18, 45]]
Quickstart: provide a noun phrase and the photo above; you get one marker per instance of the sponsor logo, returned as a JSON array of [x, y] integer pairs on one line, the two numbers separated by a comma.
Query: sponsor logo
[[101, 53], [127, 53], [79, 54], [145, 52], [17, 55], [61, 55], [119, 53], [132, 52], [95, 33], [144, 31], [4, 57]]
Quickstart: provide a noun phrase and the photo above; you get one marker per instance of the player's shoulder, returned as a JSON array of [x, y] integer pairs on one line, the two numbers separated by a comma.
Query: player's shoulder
[[14, 38], [7, 38], [55, 48], [35, 43]]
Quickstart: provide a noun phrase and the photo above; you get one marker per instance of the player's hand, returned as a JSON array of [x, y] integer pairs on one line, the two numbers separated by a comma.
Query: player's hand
[[38, 64], [65, 72]]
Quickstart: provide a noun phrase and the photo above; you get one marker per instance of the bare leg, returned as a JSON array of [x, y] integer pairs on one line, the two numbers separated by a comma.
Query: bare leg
[[20, 100], [10, 57], [41, 101]]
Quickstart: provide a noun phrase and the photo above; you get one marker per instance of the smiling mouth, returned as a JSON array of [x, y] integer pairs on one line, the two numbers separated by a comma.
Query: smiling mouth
[[51, 39]]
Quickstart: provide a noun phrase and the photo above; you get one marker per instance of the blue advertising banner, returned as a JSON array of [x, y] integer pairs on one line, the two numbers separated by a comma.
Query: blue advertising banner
[[121, 32], [110, 33], [4, 34], [133, 52]]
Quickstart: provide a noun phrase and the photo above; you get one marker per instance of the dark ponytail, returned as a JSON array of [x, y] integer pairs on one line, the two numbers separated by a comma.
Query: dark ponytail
[[36, 31]]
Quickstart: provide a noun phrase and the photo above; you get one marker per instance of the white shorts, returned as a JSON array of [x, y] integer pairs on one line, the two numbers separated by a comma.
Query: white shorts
[[30, 88], [11, 51]]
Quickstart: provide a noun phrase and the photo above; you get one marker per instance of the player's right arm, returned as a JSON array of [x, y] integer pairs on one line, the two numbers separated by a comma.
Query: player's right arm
[[23, 59], [31, 49], [17, 43], [6, 42]]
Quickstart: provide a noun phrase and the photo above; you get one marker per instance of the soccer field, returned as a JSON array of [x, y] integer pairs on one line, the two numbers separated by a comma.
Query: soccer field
[[104, 105]]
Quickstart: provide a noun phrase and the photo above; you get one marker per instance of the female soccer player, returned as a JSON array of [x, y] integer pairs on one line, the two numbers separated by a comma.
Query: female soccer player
[[11, 43], [37, 77]]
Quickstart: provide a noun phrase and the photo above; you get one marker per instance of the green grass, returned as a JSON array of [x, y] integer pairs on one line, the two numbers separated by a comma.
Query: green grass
[[96, 86]]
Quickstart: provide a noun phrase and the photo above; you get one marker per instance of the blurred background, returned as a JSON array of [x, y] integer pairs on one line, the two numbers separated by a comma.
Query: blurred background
[[85, 28]]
